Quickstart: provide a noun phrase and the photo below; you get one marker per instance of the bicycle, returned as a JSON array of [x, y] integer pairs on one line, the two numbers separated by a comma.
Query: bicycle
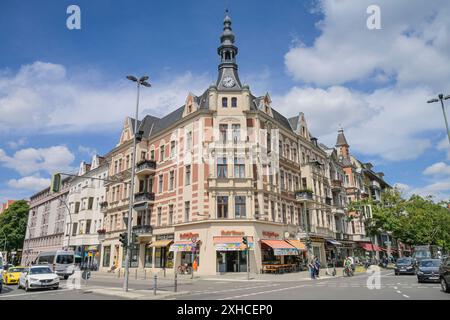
[[184, 269]]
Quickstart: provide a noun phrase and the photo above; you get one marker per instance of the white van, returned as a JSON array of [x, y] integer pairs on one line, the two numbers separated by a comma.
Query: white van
[[62, 262]]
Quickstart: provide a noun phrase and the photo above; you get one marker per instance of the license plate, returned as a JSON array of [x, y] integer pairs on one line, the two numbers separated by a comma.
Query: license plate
[[434, 278], [402, 269]]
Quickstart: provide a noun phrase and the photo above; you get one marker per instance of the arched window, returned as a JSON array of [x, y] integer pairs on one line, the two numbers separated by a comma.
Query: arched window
[[224, 102], [234, 102]]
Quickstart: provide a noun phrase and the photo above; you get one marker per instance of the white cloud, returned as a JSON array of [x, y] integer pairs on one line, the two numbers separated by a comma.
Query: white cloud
[[444, 145], [31, 183], [31, 160], [18, 143], [437, 169], [54, 99], [87, 150]]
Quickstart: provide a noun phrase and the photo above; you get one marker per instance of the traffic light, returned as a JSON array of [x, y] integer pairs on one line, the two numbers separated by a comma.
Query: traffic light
[[244, 241], [308, 243], [123, 239], [139, 136], [134, 238], [56, 182]]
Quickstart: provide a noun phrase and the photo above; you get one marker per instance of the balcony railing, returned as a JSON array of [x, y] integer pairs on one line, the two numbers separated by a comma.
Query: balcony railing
[[142, 229], [103, 206], [328, 201], [336, 184], [145, 166], [144, 196], [304, 195]]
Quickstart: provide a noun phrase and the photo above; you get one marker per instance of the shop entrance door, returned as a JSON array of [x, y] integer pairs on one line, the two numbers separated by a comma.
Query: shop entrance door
[[232, 261]]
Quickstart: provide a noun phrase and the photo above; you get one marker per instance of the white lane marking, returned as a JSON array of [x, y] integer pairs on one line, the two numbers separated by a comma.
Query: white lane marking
[[395, 287], [406, 296], [261, 292], [398, 291], [230, 290], [34, 293]]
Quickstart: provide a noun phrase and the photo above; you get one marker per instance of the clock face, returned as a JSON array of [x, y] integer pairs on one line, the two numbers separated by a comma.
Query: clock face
[[228, 82]]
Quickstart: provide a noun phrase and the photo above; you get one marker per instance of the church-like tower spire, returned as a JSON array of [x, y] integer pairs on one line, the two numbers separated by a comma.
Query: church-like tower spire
[[228, 78]]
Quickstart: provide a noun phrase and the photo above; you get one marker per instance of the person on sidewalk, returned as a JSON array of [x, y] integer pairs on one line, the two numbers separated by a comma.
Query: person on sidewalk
[[317, 267], [312, 269]]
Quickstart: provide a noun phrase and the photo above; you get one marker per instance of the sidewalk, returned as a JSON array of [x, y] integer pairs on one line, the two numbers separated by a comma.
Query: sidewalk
[[134, 294]]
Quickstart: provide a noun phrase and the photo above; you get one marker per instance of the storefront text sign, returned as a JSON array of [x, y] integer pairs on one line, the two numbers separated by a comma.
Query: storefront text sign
[[270, 234], [232, 233], [189, 235]]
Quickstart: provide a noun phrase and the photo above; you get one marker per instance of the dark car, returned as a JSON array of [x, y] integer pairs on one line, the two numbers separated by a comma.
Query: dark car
[[405, 266], [444, 274], [428, 270]]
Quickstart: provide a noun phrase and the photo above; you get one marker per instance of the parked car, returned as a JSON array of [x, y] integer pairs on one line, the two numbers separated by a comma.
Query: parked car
[[405, 265], [37, 277], [428, 270], [12, 275], [444, 275]]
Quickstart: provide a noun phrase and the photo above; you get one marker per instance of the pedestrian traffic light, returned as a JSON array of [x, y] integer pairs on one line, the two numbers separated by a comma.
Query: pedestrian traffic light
[[244, 241], [123, 239], [134, 237], [56, 182], [139, 136]]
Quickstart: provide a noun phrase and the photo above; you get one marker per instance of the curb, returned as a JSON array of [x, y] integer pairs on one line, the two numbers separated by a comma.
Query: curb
[[135, 295]]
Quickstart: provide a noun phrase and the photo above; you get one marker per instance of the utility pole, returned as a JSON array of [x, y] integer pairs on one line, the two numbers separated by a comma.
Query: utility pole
[[442, 98], [141, 81]]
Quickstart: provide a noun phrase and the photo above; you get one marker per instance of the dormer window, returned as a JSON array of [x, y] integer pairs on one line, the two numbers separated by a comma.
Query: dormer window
[[224, 102], [234, 102]]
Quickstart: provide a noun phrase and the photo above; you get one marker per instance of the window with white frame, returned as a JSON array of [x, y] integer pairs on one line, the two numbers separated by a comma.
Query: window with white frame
[[239, 167]]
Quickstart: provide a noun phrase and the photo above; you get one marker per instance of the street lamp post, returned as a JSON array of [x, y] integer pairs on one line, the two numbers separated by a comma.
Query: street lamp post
[[70, 222], [442, 98], [4, 245], [142, 81]]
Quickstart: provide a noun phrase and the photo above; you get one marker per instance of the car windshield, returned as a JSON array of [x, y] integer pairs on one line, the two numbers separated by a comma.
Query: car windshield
[[15, 270], [403, 261], [430, 263], [40, 270], [64, 259], [422, 254]]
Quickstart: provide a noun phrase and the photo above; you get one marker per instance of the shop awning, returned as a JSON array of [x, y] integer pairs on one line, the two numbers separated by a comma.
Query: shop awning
[[370, 247], [298, 245], [281, 247], [90, 248], [182, 246], [160, 243], [334, 242], [231, 243]]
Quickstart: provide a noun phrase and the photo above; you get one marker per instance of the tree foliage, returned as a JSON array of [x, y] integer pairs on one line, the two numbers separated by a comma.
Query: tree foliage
[[13, 225], [413, 221]]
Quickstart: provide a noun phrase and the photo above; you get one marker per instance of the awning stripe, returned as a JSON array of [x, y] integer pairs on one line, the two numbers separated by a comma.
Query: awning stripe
[[160, 243], [297, 244]]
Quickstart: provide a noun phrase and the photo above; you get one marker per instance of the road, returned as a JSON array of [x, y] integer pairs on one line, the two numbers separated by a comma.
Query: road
[[392, 287]]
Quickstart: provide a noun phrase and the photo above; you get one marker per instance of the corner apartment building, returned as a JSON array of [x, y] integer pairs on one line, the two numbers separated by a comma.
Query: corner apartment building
[[84, 224], [46, 220], [224, 165]]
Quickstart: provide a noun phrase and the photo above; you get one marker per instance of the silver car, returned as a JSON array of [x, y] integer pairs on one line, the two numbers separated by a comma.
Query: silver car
[[38, 277]]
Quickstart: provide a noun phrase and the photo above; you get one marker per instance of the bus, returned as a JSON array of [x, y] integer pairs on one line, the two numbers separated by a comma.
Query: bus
[[61, 261]]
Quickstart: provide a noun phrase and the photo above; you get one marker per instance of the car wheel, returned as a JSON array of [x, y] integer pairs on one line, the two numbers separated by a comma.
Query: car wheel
[[396, 273], [56, 288], [445, 286], [66, 277]]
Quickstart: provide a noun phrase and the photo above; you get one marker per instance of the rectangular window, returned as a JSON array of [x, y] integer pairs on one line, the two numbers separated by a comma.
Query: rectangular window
[[223, 128], [160, 183], [236, 132], [74, 229], [187, 209], [161, 153], [222, 167], [188, 175], [148, 257], [128, 161], [77, 207], [234, 102], [172, 149], [152, 155], [272, 210], [90, 203], [170, 214], [283, 212], [239, 207], [143, 154], [171, 180], [189, 141], [88, 226], [282, 180], [239, 168], [222, 207], [158, 222]]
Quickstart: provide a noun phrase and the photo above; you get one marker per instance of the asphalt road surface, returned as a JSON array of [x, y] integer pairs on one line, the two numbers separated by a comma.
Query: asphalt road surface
[[404, 287]]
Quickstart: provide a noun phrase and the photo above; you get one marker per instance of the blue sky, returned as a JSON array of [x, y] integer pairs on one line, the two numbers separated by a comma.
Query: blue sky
[[63, 95]]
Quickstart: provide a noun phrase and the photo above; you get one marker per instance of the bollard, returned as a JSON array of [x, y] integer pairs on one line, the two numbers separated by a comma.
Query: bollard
[[164, 269], [135, 274], [154, 284], [176, 282], [145, 274], [118, 273]]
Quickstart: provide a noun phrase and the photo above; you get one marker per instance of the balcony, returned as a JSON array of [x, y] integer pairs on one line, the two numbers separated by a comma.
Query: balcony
[[304, 195], [336, 185], [324, 232], [142, 229], [146, 167], [328, 201], [103, 206], [144, 197]]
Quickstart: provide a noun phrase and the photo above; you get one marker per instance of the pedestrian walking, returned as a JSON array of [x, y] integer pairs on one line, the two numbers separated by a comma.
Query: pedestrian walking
[[312, 269], [317, 267]]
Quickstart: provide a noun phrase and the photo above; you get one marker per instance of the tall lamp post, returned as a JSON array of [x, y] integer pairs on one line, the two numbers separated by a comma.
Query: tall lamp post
[[442, 98], [142, 81]]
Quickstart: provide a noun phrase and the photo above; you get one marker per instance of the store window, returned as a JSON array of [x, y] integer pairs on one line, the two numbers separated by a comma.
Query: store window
[[134, 262], [163, 257], [148, 259]]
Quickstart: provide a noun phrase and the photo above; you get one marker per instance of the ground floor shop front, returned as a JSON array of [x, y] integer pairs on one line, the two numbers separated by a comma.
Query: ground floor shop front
[[215, 247]]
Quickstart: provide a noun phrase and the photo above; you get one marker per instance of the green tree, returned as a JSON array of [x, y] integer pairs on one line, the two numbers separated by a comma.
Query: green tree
[[13, 225]]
